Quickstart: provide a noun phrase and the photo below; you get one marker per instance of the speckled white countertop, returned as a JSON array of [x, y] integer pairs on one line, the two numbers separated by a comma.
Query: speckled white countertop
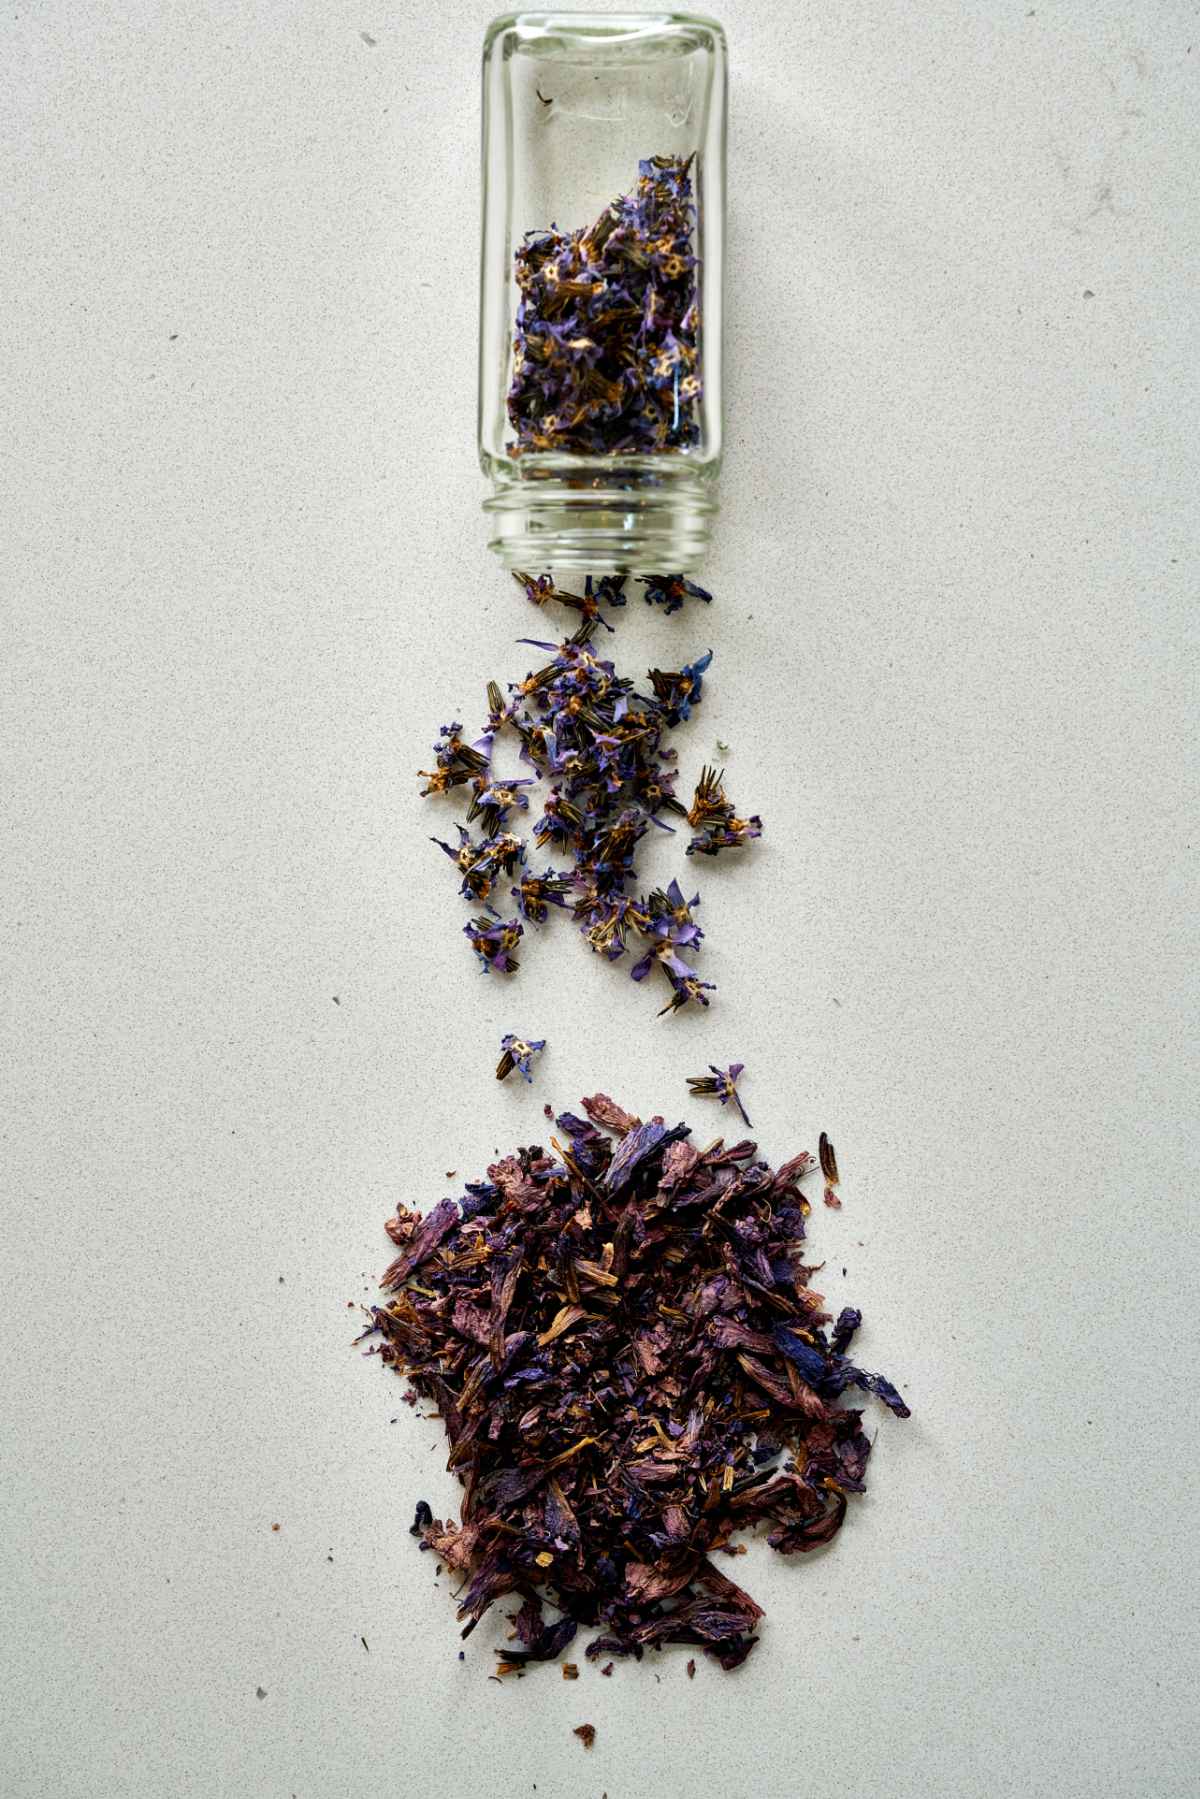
[[245, 578]]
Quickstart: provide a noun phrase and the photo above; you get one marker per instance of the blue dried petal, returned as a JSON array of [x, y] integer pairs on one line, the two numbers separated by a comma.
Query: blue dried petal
[[636, 1147], [811, 1363]]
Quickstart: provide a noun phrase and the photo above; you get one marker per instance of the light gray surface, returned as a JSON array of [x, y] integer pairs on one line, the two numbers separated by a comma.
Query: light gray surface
[[245, 578]]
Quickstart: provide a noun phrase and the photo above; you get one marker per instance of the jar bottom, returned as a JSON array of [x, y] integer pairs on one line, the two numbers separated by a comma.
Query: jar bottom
[[637, 516]]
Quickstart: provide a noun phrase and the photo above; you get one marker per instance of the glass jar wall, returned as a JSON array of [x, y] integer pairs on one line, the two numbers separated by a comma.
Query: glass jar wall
[[600, 324]]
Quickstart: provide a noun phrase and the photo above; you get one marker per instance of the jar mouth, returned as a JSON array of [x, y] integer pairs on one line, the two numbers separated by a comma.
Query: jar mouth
[[647, 515], [552, 33]]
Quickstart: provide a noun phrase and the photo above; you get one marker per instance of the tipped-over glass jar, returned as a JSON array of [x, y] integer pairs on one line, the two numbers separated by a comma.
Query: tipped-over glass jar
[[600, 321]]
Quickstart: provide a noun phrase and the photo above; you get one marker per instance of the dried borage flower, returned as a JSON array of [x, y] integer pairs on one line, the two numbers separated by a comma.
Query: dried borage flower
[[679, 691], [535, 894], [668, 591], [721, 1083], [597, 747], [481, 863], [456, 761], [587, 604], [716, 823], [518, 1052], [494, 940], [621, 1339], [605, 350]]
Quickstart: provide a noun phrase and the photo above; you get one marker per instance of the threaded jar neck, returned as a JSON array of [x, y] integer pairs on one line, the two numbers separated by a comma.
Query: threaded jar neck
[[622, 514]]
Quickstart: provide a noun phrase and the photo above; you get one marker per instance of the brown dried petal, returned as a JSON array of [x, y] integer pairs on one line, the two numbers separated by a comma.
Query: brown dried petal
[[829, 1167], [607, 1113]]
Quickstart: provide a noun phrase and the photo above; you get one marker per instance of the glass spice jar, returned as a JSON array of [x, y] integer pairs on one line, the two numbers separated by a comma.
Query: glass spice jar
[[600, 304]]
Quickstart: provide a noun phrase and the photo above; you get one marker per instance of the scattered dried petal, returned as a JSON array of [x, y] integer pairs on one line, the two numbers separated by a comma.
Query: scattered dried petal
[[829, 1167]]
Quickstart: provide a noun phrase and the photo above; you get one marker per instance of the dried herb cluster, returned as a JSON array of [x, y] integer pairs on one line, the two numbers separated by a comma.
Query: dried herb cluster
[[631, 1366], [605, 352], [599, 743]]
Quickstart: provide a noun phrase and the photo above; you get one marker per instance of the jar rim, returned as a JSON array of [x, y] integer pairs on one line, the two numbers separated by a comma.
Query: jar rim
[[612, 28]]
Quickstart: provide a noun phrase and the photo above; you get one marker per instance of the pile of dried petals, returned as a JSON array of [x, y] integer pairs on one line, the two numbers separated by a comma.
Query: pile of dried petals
[[631, 1366], [599, 743], [605, 350]]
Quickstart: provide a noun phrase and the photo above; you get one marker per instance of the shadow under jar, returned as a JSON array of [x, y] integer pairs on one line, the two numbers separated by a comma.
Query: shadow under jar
[[601, 278]]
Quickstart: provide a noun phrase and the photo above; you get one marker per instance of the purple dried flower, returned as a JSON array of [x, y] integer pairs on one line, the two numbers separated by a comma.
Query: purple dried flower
[[728, 836], [559, 820], [536, 893], [608, 918], [480, 864], [610, 589], [456, 761], [494, 800], [716, 824], [722, 1084], [539, 588], [587, 603], [678, 693], [494, 942], [671, 591], [685, 990], [670, 927], [518, 1052]]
